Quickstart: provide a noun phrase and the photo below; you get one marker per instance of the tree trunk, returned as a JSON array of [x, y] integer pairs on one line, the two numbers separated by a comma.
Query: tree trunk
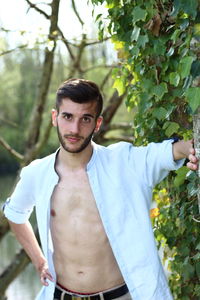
[[18, 264], [21, 260], [36, 121], [196, 129]]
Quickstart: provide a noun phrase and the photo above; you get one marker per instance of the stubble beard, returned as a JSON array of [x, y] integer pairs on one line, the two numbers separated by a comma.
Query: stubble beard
[[85, 143]]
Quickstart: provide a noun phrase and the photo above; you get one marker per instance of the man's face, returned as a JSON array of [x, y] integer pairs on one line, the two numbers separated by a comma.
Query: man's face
[[75, 124]]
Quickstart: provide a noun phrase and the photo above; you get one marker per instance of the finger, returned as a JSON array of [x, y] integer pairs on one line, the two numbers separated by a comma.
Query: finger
[[192, 158], [192, 166], [46, 276], [192, 151], [44, 281]]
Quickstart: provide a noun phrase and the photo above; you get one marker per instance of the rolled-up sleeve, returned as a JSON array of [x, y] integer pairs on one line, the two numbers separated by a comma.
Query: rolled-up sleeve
[[159, 161], [154, 161], [19, 206]]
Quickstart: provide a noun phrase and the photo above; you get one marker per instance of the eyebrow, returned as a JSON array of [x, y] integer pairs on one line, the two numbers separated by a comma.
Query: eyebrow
[[84, 115], [88, 115]]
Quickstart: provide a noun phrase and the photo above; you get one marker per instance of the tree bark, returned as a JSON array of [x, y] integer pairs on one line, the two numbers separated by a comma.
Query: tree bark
[[33, 143], [108, 113], [36, 121], [18, 264], [196, 129]]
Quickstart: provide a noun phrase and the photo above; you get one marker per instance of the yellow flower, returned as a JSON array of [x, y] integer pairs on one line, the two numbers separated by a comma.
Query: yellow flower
[[154, 212]]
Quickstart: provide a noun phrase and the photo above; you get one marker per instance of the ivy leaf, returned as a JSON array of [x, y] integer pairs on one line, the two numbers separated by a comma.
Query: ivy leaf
[[180, 176], [135, 34], [195, 68], [189, 7], [159, 90], [174, 78], [170, 128], [118, 84], [185, 66], [170, 51], [193, 97], [188, 271], [198, 246], [159, 113], [139, 14], [142, 40], [198, 269]]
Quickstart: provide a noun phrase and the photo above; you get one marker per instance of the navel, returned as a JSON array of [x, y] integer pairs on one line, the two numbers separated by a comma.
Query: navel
[[80, 272], [53, 213]]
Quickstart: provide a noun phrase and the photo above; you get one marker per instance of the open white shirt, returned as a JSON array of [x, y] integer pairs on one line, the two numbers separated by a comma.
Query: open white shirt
[[122, 178]]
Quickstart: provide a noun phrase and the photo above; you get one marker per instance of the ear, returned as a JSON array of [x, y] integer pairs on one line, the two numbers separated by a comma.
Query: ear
[[54, 115], [98, 124]]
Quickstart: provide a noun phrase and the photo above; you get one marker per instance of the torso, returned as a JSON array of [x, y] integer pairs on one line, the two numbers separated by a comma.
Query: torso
[[83, 259]]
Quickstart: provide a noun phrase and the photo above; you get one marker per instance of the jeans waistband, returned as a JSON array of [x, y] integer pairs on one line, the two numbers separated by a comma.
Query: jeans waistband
[[117, 292]]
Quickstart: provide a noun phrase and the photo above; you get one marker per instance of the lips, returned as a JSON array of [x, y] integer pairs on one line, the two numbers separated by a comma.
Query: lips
[[73, 139]]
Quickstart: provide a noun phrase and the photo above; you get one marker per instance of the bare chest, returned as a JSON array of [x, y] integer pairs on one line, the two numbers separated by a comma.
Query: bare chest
[[73, 208]]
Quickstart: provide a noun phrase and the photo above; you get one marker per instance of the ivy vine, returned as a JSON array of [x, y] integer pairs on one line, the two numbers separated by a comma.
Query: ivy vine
[[158, 46]]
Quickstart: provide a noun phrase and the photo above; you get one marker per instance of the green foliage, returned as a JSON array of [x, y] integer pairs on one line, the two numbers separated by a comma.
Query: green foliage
[[158, 47]]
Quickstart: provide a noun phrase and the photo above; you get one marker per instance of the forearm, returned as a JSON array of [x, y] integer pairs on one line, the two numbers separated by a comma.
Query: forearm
[[182, 149], [26, 237]]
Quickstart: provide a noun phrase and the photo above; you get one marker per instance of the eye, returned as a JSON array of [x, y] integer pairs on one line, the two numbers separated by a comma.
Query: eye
[[86, 119], [67, 116]]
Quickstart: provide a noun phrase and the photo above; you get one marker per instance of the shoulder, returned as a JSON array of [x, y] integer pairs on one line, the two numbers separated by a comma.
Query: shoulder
[[40, 163]]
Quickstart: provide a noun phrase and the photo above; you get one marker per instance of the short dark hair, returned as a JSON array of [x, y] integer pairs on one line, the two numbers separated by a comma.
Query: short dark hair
[[80, 91]]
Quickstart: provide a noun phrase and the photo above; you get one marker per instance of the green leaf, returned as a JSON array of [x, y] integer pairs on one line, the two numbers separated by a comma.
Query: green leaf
[[193, 97], [188, 271], [185, 66], [119, 85], [135, 34], [170, 128], [142, 40], [180, 176], [198, 246], [189, 7], [174, 78], [170, 52], [139, 14], [160, 113], [197, 266], [160, 90], [195, 68]]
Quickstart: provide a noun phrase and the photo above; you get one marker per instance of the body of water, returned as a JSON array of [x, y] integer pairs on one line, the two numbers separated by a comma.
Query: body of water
[[27, 284]]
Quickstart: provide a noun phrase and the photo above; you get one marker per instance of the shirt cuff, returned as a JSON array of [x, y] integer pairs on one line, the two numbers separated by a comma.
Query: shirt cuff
[[14, 215]]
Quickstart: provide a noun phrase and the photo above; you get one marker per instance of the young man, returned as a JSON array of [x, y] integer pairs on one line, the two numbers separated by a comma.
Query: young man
[[92, 207]]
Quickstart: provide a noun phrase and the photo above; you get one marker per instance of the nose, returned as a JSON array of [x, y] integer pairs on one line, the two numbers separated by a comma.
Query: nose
[[74, 127]]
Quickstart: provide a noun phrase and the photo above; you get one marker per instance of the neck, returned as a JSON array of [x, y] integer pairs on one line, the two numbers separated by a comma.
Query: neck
[[75, 160]]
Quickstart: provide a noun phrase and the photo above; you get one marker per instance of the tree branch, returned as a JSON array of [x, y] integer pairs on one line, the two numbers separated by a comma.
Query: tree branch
[[121, 138], [36, 121], [44, 138], [14, 49], [100, 66], [8, 122], [117, 126], [4, 226], [18, 264], [58, 29], [32, 5], [105, 79], [108, 113], [76, 12], [11, 150]]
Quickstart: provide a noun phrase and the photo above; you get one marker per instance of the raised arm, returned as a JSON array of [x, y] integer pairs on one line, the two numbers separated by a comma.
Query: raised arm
[[185, 149], [26, 237]]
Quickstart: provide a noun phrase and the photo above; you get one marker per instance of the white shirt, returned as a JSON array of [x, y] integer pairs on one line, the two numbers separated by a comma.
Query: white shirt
[[122, 178]]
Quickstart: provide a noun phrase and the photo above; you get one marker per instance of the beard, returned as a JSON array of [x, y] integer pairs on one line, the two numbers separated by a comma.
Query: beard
[[81, 147]]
